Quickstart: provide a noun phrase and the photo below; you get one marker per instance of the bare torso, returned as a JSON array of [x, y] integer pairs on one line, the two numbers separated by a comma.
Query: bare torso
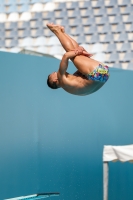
[[78, 84]]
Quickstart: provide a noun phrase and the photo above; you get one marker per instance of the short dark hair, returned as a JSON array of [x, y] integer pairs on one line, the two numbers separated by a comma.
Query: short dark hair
[[51, 85]]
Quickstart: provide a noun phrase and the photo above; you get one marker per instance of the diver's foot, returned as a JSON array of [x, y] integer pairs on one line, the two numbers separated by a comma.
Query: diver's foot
[[54, 27]]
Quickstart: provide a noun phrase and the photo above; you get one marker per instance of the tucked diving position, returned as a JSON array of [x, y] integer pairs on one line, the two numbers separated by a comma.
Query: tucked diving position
[[91, 74]]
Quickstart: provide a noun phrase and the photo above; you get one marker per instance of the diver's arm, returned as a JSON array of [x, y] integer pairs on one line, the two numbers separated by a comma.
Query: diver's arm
[[64, 62], [63, 65], [69, 55]]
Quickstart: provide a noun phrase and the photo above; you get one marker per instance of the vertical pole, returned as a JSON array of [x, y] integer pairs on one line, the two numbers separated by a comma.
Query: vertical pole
[[105, 180]]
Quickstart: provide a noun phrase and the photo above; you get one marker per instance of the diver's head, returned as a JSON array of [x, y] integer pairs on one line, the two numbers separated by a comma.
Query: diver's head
[[52, 81]]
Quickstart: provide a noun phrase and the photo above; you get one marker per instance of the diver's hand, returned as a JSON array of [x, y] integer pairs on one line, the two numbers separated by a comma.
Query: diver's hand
[[81, 51], [76, 52], [71, 54]]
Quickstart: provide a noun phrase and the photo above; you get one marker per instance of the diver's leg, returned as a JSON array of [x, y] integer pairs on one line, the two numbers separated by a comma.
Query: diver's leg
[[67, 43], [82, 63], [75, 44]]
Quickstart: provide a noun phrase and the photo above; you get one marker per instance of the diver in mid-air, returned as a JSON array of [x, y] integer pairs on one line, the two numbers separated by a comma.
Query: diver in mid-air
[[91, 74]]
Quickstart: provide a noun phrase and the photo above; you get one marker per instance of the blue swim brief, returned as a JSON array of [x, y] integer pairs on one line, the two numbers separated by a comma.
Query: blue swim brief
[[101, 73]]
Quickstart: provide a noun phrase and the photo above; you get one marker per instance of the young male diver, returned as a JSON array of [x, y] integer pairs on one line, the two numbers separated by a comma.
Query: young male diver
[[91, 74]]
